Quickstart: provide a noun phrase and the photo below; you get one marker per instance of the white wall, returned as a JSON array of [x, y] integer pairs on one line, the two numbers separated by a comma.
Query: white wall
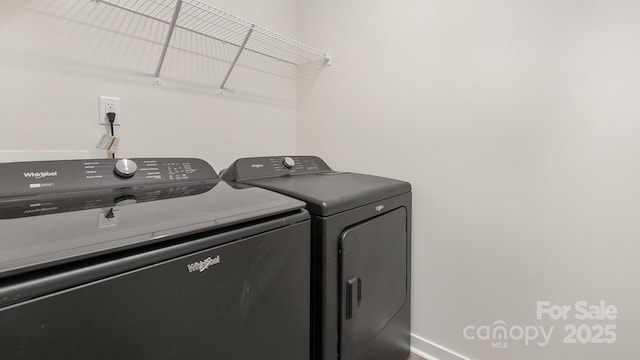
[[517, 123], [58, 56]]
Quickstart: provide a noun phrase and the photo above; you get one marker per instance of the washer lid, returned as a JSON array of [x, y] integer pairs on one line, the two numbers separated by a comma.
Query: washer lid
[[330, 194], [49, 228], [325, 191]]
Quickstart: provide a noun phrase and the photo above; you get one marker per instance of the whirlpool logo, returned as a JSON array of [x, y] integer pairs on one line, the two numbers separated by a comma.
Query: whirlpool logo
[[40, 175], [204, 264]]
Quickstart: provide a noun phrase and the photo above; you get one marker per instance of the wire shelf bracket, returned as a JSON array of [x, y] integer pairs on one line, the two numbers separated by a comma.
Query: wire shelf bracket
[[235, 60], [165, 47], [205, 20]]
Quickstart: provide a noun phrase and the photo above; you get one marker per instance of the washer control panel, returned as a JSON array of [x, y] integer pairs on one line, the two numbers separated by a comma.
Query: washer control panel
[[274, 166], [54, 177]]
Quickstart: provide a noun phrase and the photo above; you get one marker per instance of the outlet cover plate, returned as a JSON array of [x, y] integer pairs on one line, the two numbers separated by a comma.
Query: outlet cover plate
[[107, 104]]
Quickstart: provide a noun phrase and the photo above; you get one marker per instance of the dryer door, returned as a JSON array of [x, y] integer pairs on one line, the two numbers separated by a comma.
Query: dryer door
[[373, 260]]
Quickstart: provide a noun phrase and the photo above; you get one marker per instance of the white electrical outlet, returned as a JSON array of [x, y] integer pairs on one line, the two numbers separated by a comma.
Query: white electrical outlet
[[109, 104]]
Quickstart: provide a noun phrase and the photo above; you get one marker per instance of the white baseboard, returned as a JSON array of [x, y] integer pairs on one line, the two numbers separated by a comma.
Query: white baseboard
[[432, 351], [423, 355]]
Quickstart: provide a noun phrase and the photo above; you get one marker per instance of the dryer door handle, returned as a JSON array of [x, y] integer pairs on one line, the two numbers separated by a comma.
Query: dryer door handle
[[354, 296]]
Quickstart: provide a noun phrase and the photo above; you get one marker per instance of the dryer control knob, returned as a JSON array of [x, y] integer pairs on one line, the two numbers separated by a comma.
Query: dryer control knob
[[125, 168], [288, 162]]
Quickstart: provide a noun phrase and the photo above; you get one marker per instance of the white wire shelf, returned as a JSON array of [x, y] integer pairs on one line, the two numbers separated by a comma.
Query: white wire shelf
[[205, 20]]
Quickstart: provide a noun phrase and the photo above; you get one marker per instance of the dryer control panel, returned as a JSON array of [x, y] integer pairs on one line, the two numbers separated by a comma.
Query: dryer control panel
[[24, 179], [274, 166]]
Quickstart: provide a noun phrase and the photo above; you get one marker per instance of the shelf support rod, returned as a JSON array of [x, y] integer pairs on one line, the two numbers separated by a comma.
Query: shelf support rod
[[172, 27], [235, 60]]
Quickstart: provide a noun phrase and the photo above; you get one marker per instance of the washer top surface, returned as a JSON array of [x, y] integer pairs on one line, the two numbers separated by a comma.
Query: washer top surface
[[326, 192], [59, 211]]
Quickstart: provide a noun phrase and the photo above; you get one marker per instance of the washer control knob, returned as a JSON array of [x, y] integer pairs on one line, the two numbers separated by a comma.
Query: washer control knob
[[288, 162], [125, 168]]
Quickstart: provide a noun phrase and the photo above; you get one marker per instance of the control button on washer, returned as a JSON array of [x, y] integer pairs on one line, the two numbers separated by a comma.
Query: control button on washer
[[288, 162], [125, 168]]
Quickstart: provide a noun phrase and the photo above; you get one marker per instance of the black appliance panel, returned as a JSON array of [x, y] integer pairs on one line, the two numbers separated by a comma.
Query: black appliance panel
[[274, 166], [373, 262], [33, 284], [212, 304], [35, 178]]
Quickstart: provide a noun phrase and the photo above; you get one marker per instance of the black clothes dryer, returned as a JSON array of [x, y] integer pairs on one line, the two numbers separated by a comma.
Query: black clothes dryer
[[361, 234], [149, 258]]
